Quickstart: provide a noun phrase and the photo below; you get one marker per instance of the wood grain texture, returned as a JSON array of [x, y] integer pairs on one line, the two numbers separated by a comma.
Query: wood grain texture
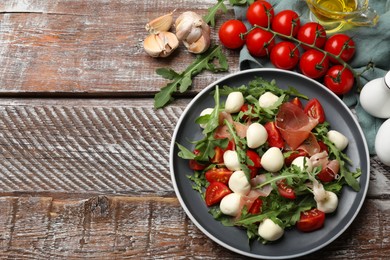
[[62, 48], [117, 146], [149, 228]]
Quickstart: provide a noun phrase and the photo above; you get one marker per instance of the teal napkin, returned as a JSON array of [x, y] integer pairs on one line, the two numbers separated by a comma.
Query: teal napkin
[[372, 44]]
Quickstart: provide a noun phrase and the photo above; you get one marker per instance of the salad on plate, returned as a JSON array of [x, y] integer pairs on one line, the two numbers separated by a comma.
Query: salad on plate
[[268, 160]]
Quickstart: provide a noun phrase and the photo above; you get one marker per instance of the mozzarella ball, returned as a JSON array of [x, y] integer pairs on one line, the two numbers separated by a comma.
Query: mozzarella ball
[[269, 230], [239, 183], [267, 99], [303, 163], [256, 135], [230, 204], [339, 140], [234, 102], [230, 159], [329, 203], [272, 160], [204, 112]]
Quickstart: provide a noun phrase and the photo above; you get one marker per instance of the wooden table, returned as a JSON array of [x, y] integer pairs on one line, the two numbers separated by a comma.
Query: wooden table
[[84, 155]]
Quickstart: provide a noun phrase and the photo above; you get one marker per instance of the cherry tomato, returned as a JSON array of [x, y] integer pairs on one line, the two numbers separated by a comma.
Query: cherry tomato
[[286, 22], [326, 175], [338, 79], [218, 174], [274, 137], [230, 34], [218, 156], [254, 157], [284, 55], [340, 44], [293, 155], [323, 146], [312, 33], [314, 64], [244, 109], [256, 206], [285, 191], [195, 165], [215, 193], [315, 110], [260, 42], [258, 13], [296, 101], [311, 220]]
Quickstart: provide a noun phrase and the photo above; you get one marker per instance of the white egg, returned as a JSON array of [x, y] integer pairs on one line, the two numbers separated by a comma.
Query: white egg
[[272, 160], [267, 99], [230, 159], [269, 230], [204, 112], [238, 183], [256, 135], [382, 143], [230, 204], [303, 163], [339, 140], [234, 102]]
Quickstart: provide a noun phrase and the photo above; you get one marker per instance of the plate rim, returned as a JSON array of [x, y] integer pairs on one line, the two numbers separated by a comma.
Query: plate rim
[[205, 231]]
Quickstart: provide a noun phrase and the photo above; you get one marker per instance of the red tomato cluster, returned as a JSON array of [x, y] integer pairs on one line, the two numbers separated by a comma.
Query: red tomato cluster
[[293, 37]]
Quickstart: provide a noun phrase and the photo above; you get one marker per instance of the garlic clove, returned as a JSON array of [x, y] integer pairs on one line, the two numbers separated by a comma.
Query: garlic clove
[[161, 44], [201, 45], [160, 24]]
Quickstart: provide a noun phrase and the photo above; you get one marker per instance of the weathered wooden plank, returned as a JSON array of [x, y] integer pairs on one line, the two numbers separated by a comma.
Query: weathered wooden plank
[[150, 228], [92, 47], [98, 146]]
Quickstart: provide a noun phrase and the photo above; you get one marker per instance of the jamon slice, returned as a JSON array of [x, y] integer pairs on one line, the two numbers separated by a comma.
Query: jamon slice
[[294, 125]]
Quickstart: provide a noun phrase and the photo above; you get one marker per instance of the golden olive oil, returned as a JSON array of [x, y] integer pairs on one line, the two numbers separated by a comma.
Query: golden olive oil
[[337, 5]]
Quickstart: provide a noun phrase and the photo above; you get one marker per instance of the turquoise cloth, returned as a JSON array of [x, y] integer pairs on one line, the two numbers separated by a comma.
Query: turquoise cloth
[[372, 44]]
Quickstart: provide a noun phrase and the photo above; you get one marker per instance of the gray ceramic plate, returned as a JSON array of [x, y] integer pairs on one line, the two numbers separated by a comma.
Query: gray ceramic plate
[[293, 243]]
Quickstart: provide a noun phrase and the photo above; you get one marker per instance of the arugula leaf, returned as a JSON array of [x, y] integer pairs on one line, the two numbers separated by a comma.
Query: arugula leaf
[[212, 11], [241, 2], [182, 81]]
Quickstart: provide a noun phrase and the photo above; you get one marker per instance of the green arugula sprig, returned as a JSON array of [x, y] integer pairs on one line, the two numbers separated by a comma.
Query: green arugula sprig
[[212, 60]]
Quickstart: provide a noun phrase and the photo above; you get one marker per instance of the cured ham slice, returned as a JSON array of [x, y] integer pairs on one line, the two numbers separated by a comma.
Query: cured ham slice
[[310, 145], [222, 130], [294, 125]]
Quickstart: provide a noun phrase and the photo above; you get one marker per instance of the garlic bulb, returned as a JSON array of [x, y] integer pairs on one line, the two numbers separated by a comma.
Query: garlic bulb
[[161, 44], [193, 31], [160, 24]]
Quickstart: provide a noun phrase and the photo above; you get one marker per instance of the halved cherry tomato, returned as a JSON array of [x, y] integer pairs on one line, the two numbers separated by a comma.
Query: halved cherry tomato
[[311, 220], [256, 206], [218, 156], [294, 155], [244, 109], [323, 146], [326, 175], [218, 174], [274, 137], [195, 165], [296, 101], [315, 110], [285, 191], [215, 193], [254, 157]]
